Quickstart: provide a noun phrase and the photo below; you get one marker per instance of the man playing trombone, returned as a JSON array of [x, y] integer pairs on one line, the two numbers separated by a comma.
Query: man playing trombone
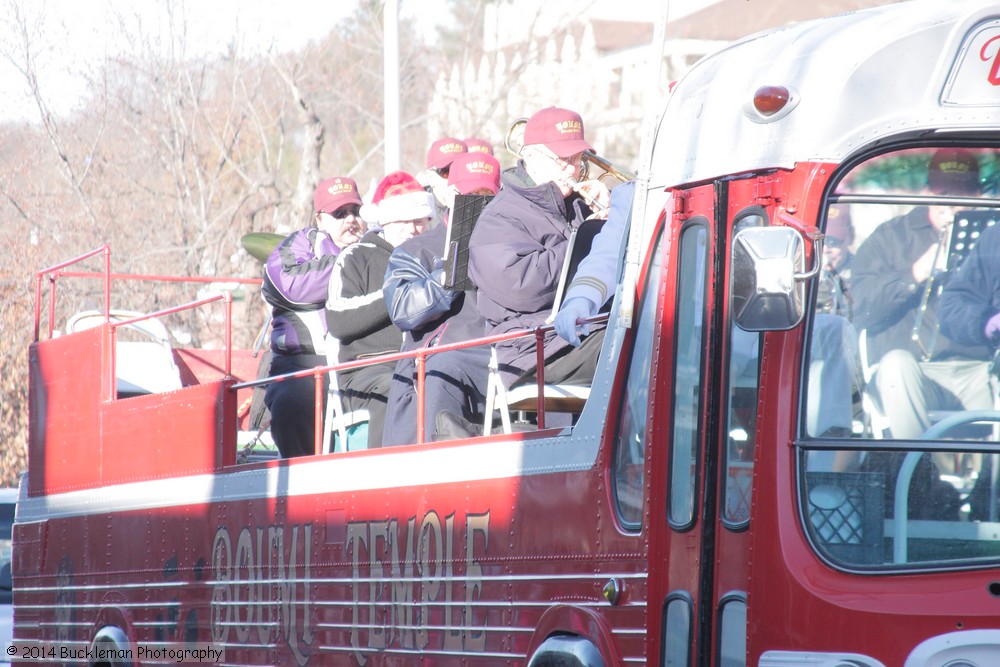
[[519, 245]]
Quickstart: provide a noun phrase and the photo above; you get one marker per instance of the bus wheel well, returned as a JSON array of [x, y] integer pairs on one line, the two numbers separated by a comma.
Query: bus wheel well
[[566, 651], [111, 648]]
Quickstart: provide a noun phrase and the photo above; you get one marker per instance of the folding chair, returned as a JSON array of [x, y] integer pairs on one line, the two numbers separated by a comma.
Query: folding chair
[[524, 398], [877, 422], [143, 366], [342, 422]]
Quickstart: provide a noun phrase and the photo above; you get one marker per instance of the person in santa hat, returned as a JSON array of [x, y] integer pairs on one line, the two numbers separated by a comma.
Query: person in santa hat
[[428, 312], [356, 315]]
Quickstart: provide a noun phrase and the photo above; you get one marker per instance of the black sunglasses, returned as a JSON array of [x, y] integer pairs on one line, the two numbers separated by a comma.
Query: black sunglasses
[[344, 211]]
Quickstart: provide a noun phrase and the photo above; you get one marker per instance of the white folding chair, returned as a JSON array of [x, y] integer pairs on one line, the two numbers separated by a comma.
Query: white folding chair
[[339, 420], [877, 421], [524, 398], [144, 366]]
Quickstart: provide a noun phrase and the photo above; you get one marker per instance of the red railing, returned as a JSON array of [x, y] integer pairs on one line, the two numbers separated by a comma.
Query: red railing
[[421, 355], [55, 272], [52, 273]]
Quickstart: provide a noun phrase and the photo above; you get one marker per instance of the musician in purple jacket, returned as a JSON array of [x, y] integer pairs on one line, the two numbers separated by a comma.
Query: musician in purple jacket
[[296, 283], [517, 249]]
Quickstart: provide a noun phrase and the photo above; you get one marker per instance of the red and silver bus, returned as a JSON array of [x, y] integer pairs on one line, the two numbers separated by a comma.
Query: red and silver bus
[[737, 489]]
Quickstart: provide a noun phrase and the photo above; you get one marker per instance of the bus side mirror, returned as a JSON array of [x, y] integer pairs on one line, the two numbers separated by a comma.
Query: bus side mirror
[[768, 287]]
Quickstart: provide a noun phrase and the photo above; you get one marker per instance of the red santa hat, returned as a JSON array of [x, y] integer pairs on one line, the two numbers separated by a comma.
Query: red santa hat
[[398, 197]]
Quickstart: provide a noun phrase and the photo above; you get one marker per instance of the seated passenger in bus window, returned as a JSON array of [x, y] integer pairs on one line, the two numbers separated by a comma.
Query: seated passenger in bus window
[[518, 247], [970, 302], [356, 316], [896, 278], [833, 380], [429, 313], [835, 275], [834, 377], [970, 314]]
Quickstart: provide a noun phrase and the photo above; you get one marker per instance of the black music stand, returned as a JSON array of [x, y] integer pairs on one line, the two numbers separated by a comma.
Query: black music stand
[[464, 214], [965, 232]]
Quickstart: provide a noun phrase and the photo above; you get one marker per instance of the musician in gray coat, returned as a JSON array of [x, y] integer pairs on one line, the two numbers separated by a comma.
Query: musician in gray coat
[[517, 249]]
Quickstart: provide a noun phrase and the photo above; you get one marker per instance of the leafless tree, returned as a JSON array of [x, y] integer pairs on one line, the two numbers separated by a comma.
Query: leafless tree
[[171, 158]]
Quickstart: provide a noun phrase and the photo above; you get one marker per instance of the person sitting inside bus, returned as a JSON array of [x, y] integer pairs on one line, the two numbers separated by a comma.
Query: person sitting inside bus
[[517, 249], [356, 315], [296, 279], [970, 302], [835, 275], [920, 368], [431, 314], [970, 315]]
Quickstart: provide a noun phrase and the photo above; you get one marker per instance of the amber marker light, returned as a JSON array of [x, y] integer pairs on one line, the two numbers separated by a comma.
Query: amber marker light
[[769, 100]]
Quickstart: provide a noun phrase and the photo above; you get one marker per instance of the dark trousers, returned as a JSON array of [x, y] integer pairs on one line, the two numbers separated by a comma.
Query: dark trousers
[[367, 388], [453, 381], [292, 404], [574, 365]]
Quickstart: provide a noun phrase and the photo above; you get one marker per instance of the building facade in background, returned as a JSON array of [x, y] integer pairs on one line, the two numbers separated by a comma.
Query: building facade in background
[[593, 58]]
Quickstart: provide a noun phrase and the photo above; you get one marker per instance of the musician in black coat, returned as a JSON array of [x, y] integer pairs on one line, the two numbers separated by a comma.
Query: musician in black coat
[[892, 272]]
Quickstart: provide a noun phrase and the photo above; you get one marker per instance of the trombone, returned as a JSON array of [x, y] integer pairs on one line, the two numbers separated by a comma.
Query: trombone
[[513, 141]]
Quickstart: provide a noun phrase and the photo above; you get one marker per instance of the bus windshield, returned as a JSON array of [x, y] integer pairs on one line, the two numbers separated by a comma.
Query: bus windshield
[[899, 398]]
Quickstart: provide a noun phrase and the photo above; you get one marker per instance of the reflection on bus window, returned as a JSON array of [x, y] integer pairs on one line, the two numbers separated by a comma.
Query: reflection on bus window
[[677, 631], [630, 442], [733, 632], [744, 373], [900, 350], [689, 319]]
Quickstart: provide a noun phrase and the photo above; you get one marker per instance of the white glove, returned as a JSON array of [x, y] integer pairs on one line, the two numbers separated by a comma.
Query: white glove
[[577, 308]]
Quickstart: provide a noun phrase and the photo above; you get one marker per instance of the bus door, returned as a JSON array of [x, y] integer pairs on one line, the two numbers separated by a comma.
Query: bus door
[[702, 437]]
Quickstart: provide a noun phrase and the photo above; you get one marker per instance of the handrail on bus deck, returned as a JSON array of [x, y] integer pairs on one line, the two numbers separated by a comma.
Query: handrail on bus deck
[[57, 272], [106, 249], [420, 354]]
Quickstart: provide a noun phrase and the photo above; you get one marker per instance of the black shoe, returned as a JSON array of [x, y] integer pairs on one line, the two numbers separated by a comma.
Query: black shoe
[[449, 426]]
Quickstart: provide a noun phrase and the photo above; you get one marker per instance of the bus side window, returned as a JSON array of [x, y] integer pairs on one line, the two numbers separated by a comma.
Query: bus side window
[[630, 439], [689, 327], [744, 377]]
